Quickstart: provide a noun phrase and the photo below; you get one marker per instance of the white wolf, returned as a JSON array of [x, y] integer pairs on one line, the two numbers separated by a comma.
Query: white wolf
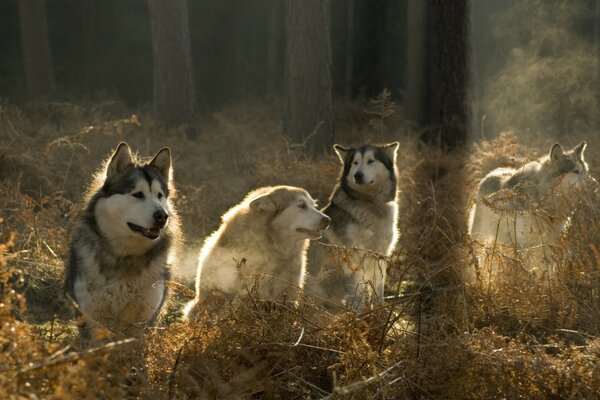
[[265, 235], [509, 204], [363, 209], [122, 244]]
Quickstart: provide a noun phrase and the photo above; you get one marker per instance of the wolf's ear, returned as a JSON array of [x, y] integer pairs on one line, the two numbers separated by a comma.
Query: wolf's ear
[[341, 151], [120, 160], [580, 149], [162, 161], [264, 203], [556, 152], [391, 149]]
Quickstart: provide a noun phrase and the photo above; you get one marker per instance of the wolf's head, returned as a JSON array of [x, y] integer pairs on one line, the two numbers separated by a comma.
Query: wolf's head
[[132, 208], [567, 168], [291, 212], [369, 171]]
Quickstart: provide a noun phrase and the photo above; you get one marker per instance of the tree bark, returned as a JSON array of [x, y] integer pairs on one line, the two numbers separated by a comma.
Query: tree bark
[[308, 115], [174, 94], [448, 73], [349, 64], [35, 47], [274, 46], [416, 61], [597, 44]]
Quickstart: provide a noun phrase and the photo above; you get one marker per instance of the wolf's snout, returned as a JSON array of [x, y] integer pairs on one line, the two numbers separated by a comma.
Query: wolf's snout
[[358, 177], [160, 217], [325, 222]]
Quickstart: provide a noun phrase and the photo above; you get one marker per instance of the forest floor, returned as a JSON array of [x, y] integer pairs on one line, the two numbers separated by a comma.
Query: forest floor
[[510, 328]]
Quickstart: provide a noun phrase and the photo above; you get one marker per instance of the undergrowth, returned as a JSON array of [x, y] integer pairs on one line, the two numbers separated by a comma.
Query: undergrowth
[[447, 330]]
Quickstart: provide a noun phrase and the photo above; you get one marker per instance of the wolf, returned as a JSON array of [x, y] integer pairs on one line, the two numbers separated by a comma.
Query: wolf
[[510, 203], [122, 244], [266, 235], [363, 208]]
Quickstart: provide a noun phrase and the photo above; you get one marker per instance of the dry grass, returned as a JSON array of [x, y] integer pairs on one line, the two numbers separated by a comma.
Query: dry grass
[[440, 336]]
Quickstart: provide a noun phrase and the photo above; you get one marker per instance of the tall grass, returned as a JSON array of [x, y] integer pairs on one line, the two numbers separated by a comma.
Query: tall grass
[[447, 330]]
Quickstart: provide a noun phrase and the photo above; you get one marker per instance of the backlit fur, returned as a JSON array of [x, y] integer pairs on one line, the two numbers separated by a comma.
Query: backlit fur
[[115, 274], [260, 246], [505, 205], [363, 209]]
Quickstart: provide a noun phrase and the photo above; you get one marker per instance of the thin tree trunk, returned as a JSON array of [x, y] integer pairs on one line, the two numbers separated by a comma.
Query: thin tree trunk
[[274, 41], [393, 43], [416, 60], [35, 46], [448, 75], [89, 15], [174, 94], [308, 116], [349, 70], [597, 43]]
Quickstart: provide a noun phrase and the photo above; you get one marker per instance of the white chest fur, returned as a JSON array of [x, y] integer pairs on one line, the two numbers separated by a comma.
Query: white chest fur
[[120, 301], [370, 231]]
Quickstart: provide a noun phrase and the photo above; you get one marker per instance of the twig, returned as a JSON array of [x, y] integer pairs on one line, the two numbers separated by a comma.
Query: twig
[[582, 334], [299, 338], [303, 345], [75, 356], [355, 386], [308, 384], [297, 314], [175, 365], [49, 249]]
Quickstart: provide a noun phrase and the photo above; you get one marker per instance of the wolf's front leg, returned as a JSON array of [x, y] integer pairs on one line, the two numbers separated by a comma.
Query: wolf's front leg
[[380, 273], [359, 288], [367, 285]]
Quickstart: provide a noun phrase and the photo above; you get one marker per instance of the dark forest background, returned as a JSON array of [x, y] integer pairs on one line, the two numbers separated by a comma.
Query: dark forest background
[[104, 48], [524, 62]]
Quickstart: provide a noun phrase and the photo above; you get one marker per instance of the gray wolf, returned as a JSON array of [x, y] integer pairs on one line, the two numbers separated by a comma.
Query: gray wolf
[[264, 237], [512, 206], [122, 244], [363, 209]]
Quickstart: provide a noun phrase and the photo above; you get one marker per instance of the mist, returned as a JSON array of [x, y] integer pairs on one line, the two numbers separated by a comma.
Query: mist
[[535, 68]]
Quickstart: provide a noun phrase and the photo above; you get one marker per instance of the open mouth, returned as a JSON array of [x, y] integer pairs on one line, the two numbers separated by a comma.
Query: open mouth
[[312, 234], [151, 233]]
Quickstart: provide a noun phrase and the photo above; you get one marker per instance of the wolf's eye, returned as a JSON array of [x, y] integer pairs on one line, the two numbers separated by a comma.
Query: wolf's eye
[[138, 195], [370, 161], [355, 163], [302, 206], [160, 195]]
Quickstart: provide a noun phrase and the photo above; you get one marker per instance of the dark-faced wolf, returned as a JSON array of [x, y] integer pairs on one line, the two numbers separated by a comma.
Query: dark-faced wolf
[[123, 243], [363, 210]]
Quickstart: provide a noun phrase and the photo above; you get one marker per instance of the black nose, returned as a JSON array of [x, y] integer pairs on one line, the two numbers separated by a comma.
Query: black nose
[[325, 221], [160, 217], [358, 177]]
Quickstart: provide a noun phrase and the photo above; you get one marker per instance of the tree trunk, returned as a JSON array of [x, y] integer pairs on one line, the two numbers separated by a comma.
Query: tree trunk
[[308, 116], [416, 61], [35, 47], [597, 44], [448, 73], [89, 16], [349, 65], [393, 42], [174, 94], [274, 44]]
